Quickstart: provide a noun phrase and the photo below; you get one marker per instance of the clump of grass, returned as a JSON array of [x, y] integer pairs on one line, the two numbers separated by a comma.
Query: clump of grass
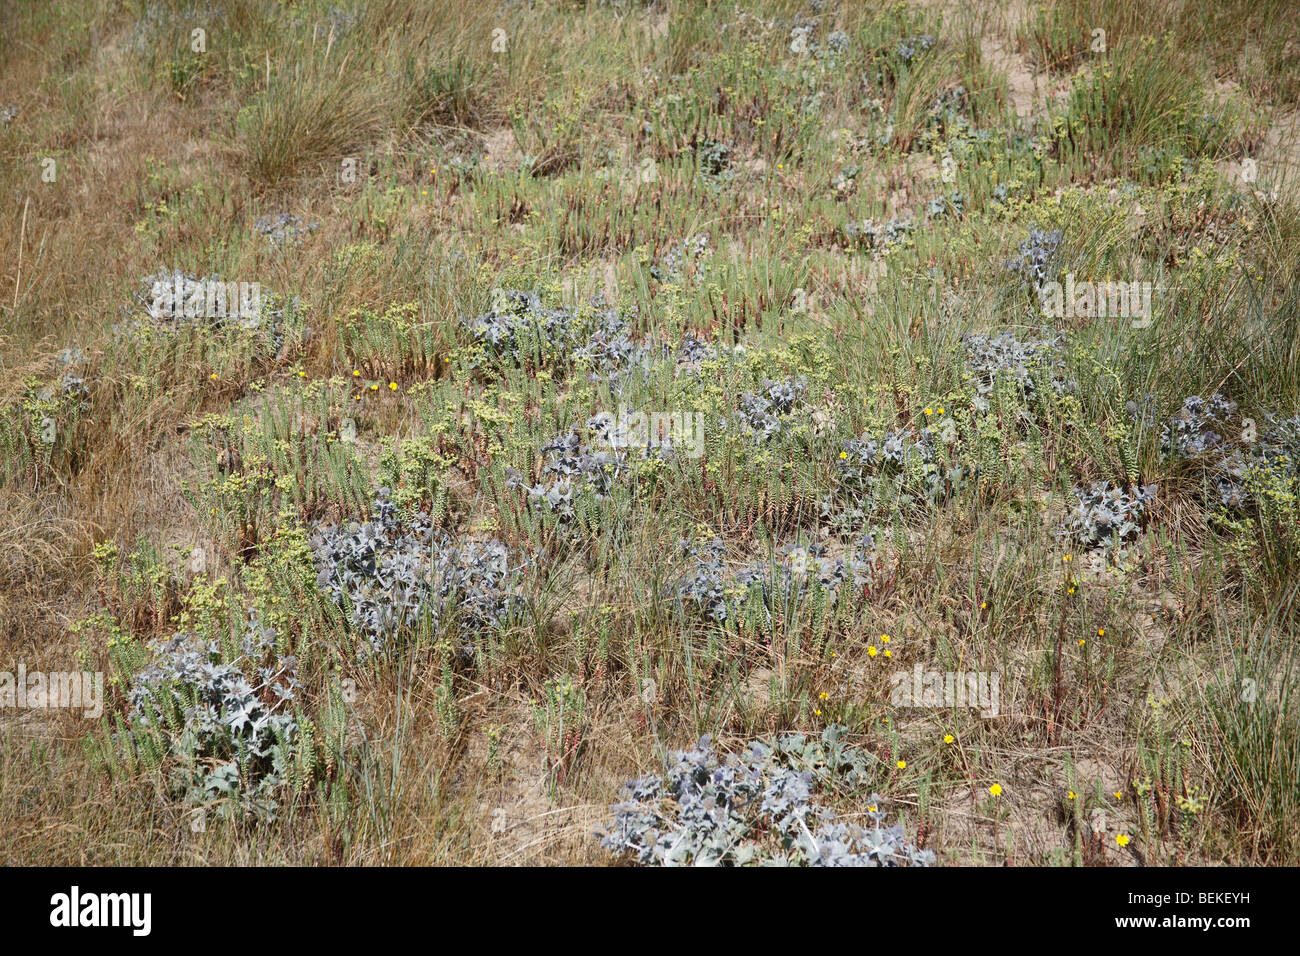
[[308, 117]]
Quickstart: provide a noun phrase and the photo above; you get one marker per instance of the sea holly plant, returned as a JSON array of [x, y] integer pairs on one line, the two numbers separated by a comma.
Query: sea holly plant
[[1105, 516], [519, 330], [715, 591], [1036, 258], [396, 573], [1024, 364], [766, 805], [228, 730]]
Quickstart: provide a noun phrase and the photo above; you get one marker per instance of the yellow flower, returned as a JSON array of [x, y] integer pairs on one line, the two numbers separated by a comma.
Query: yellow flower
[[984, 605], [1122, 839], [1119, 795], [844, 454], [1101, 632], [884, 638], [902, 765], [948, 738], [871, 651], [1070, 591], [374, 387], [888, 653], [1070, 795], [302, 374], [824, 696], [996, 790], [929, 411], [940, 409], [392, 386], [213, 376], [817, 713], [1083, 641], [356, 373], [1066, 558]]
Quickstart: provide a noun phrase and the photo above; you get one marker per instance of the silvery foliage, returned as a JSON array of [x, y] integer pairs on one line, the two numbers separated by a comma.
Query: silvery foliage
[[763, 414], [709, 585], [757, 808], [283, 228], [239, 732], [899, 454], [571, 468], [693, 352], [954, 203], [1198, 427], [1203, 428], [908, 47], [989, 358], [867, 233], [1037, 254], [523, 325], [70, 385], [393, 571], [1106, 515], [950, 101], [691, 251], [8, 113]]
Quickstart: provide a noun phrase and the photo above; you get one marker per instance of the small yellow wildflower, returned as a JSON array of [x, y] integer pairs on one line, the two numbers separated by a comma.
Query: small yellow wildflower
[[948, 738], [392, 386], [902, 765], [884, 638], [871, 651], [996, 790], [1069, 795], [1122, 839]]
